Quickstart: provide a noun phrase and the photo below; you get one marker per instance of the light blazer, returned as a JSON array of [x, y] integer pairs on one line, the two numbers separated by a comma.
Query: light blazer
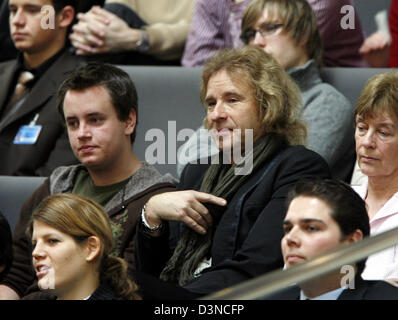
[[52, 148]]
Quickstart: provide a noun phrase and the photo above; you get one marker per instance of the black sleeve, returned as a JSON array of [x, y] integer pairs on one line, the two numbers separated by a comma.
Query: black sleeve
[[261, 252]]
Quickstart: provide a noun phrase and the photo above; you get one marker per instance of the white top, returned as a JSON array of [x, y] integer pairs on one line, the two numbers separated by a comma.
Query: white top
[[382, 265]]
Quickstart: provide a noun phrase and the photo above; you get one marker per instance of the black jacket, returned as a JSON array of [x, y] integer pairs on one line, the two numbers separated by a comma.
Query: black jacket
[[247, 238], [52, 148], [363, 290]]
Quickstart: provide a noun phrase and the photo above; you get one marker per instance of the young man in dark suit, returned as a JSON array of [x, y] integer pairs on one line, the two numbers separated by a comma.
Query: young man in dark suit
[[33, 141], [323, 215]]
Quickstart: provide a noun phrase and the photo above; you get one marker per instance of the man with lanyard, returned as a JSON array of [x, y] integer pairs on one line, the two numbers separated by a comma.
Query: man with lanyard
[[33, 141]]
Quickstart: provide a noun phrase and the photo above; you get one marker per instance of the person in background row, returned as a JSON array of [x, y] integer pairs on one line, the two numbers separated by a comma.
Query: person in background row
[[341, 31], [225, 219], [215, 25], [376, 137], [287, 30], [72, 241], [7, 47], [134, 32], [6, 252], [99, 105], [324, 215], [33, 140]]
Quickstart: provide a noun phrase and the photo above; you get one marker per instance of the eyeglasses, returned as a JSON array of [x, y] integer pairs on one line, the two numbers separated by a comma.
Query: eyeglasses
[[265, 30]]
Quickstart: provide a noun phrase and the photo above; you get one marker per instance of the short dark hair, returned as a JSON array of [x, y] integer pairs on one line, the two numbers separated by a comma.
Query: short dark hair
[[6, 251], [60, 4], [117, 82], [348, 208]]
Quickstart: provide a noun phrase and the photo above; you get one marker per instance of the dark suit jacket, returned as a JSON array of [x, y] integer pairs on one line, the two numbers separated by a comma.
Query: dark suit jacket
[[52, 148], [247, 238], [364, 290]]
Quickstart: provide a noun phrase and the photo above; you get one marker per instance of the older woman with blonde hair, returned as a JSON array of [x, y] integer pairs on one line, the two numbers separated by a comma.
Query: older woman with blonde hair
[[72, 243], [376, 136]]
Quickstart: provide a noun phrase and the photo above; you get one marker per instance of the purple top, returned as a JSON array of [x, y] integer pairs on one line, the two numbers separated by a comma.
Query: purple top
[[215, 25], [340, 46]]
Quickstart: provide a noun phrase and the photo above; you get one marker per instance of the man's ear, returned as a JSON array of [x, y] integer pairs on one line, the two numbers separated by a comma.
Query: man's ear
[[66, 16], [355, 236], [131, 122], [93, 246]]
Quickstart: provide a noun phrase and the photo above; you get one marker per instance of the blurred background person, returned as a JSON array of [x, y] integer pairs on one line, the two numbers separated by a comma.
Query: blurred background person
[[215, 25], [7, 47], [134, 32], [340, 45]]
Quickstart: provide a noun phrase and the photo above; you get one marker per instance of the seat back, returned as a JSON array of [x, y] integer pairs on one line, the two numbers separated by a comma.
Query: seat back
[[14, 191], [350, 81], [168, 102]]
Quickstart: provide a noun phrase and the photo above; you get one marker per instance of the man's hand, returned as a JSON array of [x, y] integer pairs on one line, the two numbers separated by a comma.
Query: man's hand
[[6, 293], [376, 50], [184, 206], [100, 31]]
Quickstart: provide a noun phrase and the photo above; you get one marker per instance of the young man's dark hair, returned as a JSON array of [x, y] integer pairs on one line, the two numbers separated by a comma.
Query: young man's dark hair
[[117, 82], [348, 208], [59, 4], [5, 246]]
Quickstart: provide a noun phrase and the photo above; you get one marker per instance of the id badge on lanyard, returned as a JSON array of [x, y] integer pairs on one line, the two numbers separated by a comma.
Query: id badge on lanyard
[[28, 134]]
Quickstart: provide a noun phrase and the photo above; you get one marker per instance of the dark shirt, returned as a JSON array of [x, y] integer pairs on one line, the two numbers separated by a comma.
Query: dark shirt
[[103, 292]]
